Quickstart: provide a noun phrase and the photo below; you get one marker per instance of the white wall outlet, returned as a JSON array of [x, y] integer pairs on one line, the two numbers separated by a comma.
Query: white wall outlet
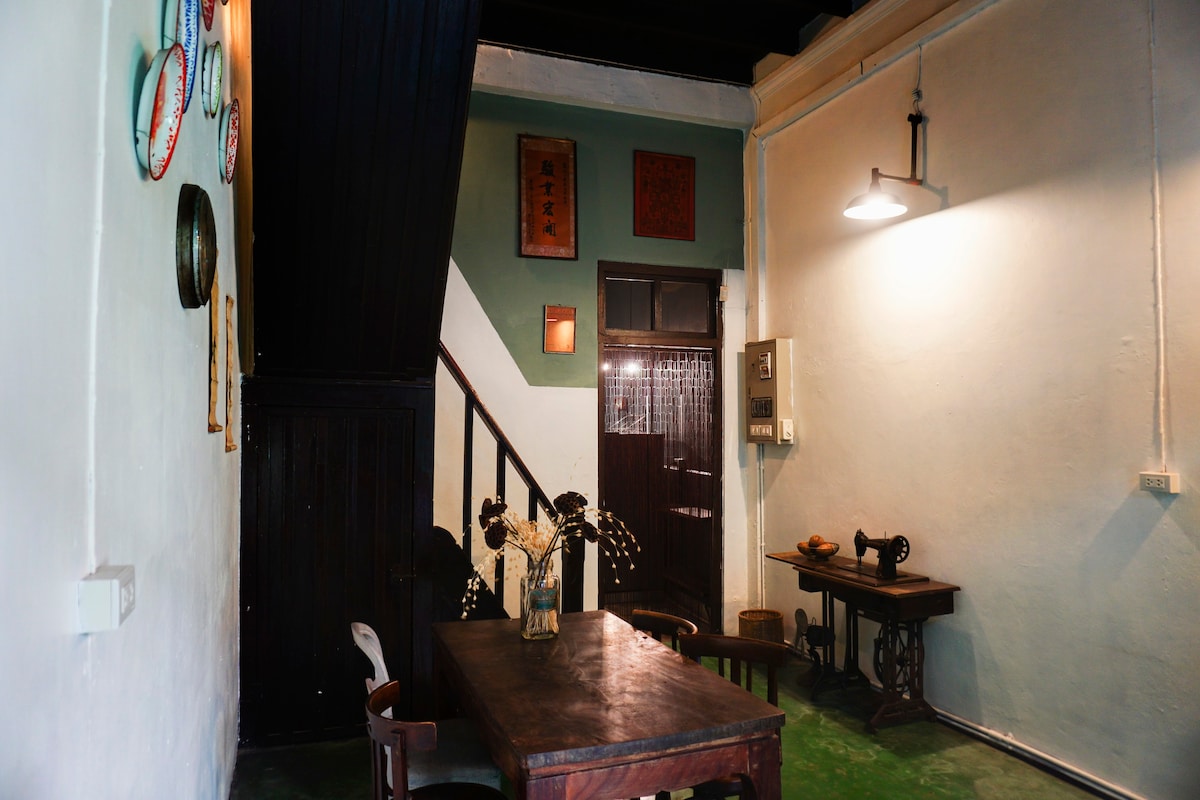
[[786, 432], [106, 598], [1161, 482]]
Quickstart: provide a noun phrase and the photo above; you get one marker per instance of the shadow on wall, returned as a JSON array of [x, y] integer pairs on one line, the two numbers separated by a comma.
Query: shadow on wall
[[950, 643], [1117, 544]]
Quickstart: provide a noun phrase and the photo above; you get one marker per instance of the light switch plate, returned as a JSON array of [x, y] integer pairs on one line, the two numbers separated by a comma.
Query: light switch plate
[[106, 598]]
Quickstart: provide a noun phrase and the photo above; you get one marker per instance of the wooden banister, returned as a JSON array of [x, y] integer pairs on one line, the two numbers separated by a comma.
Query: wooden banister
[[506, 454]]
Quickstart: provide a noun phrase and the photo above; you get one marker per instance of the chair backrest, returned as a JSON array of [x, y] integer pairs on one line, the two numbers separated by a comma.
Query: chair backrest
[[367, 641], [659, 624], [394, 737], [739, 651]]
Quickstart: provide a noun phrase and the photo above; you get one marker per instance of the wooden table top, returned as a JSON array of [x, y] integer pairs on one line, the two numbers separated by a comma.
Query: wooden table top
[[600, 692], [913, 598], [831, 569]]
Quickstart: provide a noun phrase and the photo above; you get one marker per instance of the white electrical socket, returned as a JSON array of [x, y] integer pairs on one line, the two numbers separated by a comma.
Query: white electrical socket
[[1161, 482]]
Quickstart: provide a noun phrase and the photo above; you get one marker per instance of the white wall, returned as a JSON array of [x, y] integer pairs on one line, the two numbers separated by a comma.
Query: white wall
[[105, 456], [542, 422], [982, 375]]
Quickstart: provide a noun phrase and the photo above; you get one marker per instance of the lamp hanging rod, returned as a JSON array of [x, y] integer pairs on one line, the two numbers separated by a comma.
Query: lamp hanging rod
[[915, 119]]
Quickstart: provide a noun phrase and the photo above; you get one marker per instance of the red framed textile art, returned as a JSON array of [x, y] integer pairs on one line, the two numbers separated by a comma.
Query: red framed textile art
[[547, 197], [664, 196]]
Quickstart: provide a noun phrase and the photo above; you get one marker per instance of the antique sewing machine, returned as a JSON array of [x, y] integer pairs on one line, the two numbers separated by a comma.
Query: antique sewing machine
[[891, 552]]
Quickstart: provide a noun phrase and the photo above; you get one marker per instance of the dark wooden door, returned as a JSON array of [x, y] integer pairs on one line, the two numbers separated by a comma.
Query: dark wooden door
[[336, 516], [660, 444], [632, 473]]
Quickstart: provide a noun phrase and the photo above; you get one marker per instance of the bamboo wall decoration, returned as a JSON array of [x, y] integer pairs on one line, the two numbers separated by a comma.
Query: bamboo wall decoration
[[229, 443], [214, 339]]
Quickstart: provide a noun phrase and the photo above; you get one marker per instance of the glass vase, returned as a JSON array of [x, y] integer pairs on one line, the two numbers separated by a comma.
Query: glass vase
[[539, 602]]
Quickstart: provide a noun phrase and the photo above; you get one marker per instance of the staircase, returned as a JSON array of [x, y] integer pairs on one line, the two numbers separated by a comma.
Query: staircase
[[494, 483]]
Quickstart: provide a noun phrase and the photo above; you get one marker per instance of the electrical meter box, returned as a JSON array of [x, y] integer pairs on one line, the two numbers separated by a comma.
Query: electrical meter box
[[769, 392]]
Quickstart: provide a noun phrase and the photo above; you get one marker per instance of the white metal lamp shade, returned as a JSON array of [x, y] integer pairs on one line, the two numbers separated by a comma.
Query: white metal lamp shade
[[875, 204], [878, 204]]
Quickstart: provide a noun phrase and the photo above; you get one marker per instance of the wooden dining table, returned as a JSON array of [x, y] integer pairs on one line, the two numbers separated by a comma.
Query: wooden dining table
[[604, 711]]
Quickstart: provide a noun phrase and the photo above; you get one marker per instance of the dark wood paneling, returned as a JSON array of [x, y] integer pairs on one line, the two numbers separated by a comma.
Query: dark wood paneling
[[359, 119], [336, 527]]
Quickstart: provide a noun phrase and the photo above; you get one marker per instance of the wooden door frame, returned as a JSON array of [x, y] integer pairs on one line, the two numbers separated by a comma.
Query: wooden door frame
[[715, 279]]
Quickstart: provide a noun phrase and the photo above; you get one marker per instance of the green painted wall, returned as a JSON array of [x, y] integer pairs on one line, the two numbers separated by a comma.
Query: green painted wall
[[513, 289]]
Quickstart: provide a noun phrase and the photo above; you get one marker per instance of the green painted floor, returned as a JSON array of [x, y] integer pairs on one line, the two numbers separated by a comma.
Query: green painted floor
[[827, 753]]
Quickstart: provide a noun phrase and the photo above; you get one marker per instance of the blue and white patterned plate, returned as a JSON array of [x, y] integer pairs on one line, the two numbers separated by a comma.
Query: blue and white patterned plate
[[170, 25], [181, 23]]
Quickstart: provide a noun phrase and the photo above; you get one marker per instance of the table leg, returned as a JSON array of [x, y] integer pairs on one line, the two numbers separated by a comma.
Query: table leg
[[822, 650], [850, 674], [766, 756], [850, 664]]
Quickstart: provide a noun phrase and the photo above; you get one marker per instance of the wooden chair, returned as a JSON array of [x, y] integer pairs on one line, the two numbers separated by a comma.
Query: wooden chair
[[400, 739], [743, 655], [462, 758], [658, 625]]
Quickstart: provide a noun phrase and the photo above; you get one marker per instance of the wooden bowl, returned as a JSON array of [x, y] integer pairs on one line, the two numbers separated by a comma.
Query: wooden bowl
[[820, 553]]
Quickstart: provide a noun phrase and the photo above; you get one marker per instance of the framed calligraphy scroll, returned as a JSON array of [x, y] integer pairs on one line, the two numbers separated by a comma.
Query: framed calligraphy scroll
[[547, 197], [664, 196]]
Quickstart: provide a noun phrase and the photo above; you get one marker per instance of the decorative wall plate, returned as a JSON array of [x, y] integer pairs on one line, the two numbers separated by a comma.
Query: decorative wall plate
[[228, 146], [195, 246], [206, 8], [210, 79], [187, 33], [170, 26], [160, 111]]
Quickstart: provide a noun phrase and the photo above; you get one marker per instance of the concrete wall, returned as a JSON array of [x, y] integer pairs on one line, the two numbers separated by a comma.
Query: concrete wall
[[106, 457], [984, 375]]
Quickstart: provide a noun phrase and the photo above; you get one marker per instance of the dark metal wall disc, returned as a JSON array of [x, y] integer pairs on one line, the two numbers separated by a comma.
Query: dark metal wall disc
[[195, 246]]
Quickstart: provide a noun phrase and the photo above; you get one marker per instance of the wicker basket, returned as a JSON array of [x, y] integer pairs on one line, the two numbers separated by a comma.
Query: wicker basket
[[761, 623]]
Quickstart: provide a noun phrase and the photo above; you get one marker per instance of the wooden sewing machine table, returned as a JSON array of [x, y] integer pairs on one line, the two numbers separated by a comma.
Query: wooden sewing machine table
[[900, 605]]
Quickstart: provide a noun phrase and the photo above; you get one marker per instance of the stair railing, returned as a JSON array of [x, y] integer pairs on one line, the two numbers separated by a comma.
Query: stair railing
[[506, 455]]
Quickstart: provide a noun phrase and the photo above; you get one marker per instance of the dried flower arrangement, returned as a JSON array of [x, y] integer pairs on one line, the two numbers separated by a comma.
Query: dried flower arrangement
[[540, 539]]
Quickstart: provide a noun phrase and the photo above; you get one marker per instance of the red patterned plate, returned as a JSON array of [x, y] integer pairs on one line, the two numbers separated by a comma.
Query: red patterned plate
[[230, 123], [160, 110], [207, 7]]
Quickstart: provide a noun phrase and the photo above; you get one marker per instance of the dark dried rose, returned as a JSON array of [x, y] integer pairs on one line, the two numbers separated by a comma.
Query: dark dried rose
[[489, 510], [589, 532], [495, 534], [569, 503]]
